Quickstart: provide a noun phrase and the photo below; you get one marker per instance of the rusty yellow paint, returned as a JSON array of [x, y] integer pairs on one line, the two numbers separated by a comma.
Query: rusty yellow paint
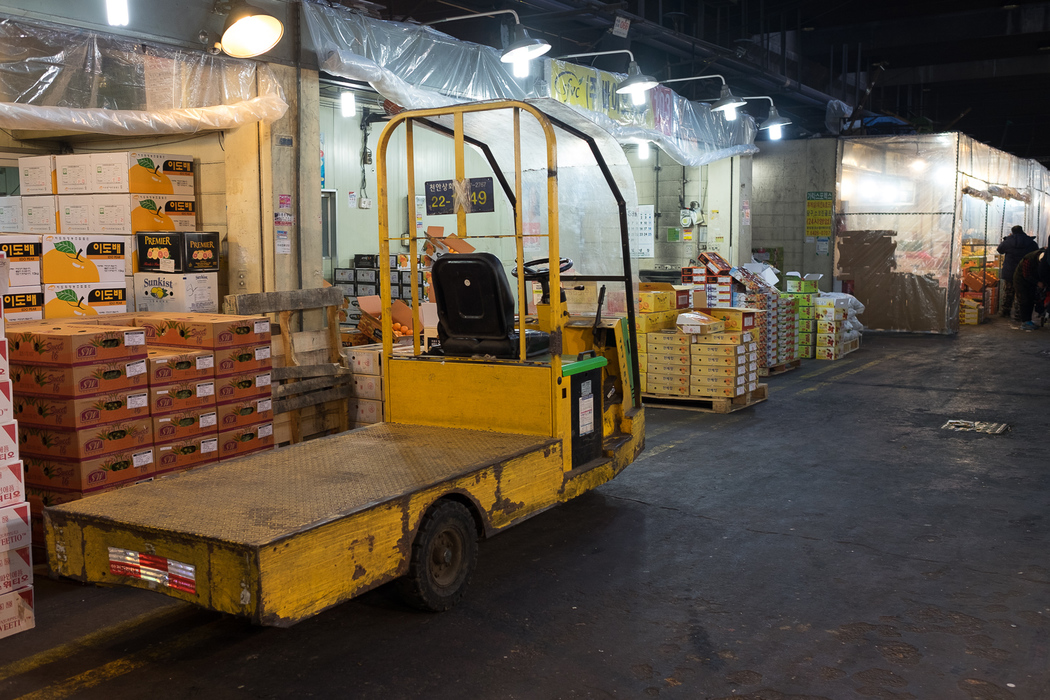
[[454, 393]]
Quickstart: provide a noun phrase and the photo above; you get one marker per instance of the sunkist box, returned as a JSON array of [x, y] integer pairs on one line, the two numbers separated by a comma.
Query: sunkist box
[[177, 293], [36, 175], [83, 259]]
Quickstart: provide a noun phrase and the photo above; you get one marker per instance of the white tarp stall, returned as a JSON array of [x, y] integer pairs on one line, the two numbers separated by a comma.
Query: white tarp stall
[[916, 216]]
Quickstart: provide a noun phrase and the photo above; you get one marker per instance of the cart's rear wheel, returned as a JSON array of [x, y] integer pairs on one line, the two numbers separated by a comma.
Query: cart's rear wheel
[[443, 558]]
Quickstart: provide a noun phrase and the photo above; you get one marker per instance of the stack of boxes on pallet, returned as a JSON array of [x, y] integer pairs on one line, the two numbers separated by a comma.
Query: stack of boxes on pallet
[[16, 557], [838, 330], [71, 237], [241, 392], [757, 294], [107, 402], [725, 363], [81, 397], [804, 290], [366, 403], [711, 280], [971, 312]]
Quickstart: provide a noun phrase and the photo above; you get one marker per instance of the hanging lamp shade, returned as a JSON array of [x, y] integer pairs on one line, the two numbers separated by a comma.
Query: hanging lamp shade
[[727, 101], [774, 119], [636, 81], [249, 31], [524, 47]]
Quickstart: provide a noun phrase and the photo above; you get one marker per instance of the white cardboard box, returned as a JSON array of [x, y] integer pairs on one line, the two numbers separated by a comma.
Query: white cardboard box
[[73, 174], [16, 570], [142, 172], [24, 304], [12, 484], [107, 255], [197, 293], [16, 612], [36, 175], [11, 214], [112, 213], [5, 366], [6, 410], [23, 253], [15, 530], [76, 213], [40, 214]]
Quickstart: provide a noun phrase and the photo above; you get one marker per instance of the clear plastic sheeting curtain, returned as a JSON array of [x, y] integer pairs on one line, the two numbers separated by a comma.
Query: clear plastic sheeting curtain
[[419, 67], [63, 79], [897, 245]]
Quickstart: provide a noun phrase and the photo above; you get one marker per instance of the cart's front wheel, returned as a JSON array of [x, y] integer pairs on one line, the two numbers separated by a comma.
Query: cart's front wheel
[[443, 558]]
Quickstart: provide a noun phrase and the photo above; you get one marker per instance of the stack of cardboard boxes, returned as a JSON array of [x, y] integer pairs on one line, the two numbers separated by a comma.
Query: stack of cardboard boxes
[[971, 312], [71, 235], [16, 558], [81, 397], [837, 326], [723, 364], [759, 295], [804, 291]]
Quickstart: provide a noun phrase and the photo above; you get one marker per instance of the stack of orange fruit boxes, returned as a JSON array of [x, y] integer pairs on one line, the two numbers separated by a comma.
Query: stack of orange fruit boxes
[[81, 399], [242, 398], [182, 403]]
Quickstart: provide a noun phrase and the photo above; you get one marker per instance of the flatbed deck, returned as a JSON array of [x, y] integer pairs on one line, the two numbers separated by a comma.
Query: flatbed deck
[[281, 535]]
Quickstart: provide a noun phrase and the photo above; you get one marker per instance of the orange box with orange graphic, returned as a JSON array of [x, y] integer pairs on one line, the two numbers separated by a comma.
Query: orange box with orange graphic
[[141, 172], [155, 212], [61, 343], [84, 259], [88, 443], [82, 380], [82, 300]]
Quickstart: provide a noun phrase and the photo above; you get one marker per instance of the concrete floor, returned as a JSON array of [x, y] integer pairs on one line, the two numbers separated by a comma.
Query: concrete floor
[[833, 542]]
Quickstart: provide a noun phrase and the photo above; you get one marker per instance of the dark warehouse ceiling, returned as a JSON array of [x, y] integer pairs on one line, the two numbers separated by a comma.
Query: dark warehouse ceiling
[[982, 68]]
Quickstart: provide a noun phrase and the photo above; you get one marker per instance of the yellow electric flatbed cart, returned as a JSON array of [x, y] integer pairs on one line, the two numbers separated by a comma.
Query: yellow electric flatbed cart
[[509, 415]]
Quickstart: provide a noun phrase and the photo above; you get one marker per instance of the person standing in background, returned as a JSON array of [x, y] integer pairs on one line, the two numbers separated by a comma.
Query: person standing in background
[[1014, 247], [1032, 284]]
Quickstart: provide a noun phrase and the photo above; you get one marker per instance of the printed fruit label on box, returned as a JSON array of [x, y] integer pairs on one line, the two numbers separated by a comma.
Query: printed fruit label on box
[[89, 475], [84, 380], [160, 173], [80, 300], [89, 442], [24, 304], [80, 259], [81, 412], [155, 212]]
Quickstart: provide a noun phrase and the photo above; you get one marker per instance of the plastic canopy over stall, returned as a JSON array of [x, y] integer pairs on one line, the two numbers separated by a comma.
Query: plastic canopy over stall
[[418, 67], [70, 80]]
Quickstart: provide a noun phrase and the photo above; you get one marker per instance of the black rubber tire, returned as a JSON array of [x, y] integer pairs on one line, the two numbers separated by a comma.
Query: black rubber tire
[[443, 558]]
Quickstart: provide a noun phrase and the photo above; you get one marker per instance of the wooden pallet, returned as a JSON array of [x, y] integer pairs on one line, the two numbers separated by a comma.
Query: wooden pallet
[[708, 404], [310, 385], [779, 369]]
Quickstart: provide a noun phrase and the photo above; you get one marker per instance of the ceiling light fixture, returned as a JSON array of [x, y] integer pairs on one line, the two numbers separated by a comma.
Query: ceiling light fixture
[[248, 31], [522, 48], [636, 84], [774, 122], [347, 104], [117, 13], [643, 150]]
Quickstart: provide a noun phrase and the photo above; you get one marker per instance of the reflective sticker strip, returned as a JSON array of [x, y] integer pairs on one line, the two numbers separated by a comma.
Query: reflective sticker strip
[[149, 567]]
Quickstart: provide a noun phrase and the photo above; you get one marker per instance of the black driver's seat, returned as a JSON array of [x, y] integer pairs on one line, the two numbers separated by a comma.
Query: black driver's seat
[[476, 309]]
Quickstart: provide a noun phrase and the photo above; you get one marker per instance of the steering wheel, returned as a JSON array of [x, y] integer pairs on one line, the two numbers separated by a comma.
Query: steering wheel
[[542, 276]]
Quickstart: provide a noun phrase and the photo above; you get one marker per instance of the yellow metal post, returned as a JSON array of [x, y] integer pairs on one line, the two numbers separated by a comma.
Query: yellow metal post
[[519, 231], [461, 206], [384, 254], [410, 184]]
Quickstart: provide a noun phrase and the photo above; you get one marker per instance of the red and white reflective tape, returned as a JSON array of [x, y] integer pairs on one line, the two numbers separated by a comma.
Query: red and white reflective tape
[[150, 567]]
